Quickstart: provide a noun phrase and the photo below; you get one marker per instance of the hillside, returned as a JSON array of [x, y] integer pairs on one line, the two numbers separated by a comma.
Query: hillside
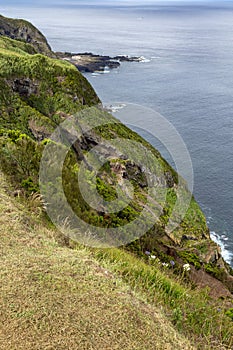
[[22, 30], [69, 282], [53, 297], [37, 93]]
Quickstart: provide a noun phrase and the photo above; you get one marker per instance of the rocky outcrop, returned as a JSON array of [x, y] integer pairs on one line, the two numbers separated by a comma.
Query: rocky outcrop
[[90, 63], [24, 87], [19, 29]]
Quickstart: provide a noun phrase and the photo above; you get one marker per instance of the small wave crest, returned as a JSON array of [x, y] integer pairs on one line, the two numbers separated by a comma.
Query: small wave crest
[[143, 59], [221, 241], [115, 108]]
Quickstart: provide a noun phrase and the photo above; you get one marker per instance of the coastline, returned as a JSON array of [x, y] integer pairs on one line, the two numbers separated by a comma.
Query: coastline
[[220, 241], [88, 62], [80, 268], [194, 224], [219, 238], [60, 43]]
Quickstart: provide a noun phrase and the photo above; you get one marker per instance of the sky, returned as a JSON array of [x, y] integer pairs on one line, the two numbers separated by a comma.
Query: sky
[[117, 3], [96, 2]]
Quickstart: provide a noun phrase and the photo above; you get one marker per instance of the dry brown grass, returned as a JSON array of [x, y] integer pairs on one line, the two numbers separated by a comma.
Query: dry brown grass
[[52, 297]]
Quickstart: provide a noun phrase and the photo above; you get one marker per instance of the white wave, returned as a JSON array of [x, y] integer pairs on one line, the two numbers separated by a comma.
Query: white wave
[[99, 72], [115, 108], [144, 59], [224, 237], [227, 255]]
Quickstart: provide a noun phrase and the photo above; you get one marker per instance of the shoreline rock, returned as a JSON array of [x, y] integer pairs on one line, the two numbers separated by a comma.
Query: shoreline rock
[[88, 62]]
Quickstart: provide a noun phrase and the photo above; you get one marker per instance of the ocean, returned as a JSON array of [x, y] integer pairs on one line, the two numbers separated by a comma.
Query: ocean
[[187, 76]]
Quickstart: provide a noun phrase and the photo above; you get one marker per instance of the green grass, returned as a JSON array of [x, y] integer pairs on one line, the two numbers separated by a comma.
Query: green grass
[[54, 297], [192, 310], [56, 294], [56, 88], [9, 45], [23, 31]]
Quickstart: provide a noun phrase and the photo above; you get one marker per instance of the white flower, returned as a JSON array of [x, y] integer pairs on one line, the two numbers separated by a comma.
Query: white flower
[[186, 267], [153, 257], [165, 264]]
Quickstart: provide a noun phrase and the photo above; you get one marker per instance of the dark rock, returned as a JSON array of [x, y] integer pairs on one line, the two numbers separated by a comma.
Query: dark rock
[[135, 173], [169, 179], [87, 62], [24, 87], [88, 141], [188, 238], [128, 58]]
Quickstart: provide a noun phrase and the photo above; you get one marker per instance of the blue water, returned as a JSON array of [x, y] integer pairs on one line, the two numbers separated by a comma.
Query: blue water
[[189, 79]]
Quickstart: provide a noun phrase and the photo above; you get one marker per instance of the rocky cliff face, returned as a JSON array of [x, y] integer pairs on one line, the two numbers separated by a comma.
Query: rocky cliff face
[[19, 29]]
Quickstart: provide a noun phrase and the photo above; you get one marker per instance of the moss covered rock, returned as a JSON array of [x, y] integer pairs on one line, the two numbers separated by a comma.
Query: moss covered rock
[[22, 30]]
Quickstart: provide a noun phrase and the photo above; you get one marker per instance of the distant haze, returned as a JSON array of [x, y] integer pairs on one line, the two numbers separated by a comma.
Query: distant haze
[[105, 2]]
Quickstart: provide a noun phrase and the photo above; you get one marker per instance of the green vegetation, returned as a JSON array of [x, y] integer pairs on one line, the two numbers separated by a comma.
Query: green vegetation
[[192, 311], [215, 271], [56, 293], [23, 31], [163, 302], [55, 89], [229, 313], [36, 91], [36, 94], [191, 258], [54, 297]]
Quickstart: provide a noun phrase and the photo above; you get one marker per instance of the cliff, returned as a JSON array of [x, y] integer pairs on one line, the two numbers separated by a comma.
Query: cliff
[[37, 93], [22, 30]]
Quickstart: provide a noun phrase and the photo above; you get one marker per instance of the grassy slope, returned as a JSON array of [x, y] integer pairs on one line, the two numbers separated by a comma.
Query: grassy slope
[[53, 297], [58, 296], [56, 87]]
